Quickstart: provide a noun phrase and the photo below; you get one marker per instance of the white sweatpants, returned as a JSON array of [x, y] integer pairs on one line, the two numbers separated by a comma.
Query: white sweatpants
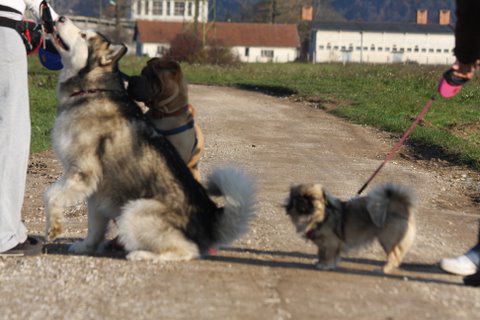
[[14, 137]]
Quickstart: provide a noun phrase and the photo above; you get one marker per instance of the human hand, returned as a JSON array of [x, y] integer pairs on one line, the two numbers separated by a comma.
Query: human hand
[[465, 71]]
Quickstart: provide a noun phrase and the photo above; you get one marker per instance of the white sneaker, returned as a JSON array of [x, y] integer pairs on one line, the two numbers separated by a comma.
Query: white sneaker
[[461, 265]]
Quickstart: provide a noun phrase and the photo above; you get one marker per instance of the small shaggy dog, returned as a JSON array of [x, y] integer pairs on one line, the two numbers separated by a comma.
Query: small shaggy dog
[[386, 214]]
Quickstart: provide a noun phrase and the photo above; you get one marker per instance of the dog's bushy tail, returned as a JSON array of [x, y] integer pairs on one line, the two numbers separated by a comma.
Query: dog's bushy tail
[[383, 197], [239, 194]]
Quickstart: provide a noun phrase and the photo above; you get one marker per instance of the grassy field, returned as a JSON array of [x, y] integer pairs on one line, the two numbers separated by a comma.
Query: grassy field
[[384, 96]]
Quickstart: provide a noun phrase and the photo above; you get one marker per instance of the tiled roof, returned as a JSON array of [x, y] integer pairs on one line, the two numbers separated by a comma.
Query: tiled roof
[[229, 34], [394, 27]]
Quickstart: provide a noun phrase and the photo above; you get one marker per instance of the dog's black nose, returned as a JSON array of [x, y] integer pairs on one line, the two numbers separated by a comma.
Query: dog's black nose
[[62, 19]]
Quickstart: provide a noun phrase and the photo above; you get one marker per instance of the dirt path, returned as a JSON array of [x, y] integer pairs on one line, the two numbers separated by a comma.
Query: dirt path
[[269, 273]]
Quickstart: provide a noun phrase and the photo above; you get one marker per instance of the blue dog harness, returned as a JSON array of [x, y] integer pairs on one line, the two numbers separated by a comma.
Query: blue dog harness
[[178, 130]]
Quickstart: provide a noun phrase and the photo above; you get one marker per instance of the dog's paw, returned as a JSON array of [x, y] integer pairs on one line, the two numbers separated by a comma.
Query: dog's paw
[[54, 230], [140, 255], [325, 266], [80, 247], [388, 268]]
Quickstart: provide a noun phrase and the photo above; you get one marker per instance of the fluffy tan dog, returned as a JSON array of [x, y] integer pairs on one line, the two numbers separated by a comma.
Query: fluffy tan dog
[[163, 89], [386, 214]]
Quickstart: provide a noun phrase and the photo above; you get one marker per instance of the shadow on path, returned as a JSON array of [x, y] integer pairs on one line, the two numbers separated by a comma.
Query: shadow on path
[[276, 91], [409, 267], [60, 247]]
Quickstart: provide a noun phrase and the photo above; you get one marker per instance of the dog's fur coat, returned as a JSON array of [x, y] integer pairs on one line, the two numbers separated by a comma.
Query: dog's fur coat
[[113, 157], [386, 214]]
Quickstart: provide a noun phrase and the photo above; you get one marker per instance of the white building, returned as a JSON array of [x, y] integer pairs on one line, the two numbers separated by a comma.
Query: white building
[[251, 42], [169, 10], [382, 43]]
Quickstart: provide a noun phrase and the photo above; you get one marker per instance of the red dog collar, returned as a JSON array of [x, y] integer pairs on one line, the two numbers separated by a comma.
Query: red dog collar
[[90, 91]]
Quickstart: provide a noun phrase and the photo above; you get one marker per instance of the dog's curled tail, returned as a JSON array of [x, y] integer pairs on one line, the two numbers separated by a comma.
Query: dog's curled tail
[[392, 196], [239, 194]]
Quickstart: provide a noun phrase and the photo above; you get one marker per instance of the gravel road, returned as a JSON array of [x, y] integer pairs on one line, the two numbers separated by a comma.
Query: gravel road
[[269, 273]]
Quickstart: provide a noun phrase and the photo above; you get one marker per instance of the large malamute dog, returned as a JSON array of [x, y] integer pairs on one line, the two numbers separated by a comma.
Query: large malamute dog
[[386, 214], [114, 158]]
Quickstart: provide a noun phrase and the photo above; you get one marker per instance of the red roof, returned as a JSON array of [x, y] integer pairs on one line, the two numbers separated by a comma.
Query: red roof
[[230, 34]]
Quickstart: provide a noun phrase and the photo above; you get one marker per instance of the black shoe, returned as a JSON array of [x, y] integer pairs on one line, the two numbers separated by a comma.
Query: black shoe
[[473, 280], [31, 247]]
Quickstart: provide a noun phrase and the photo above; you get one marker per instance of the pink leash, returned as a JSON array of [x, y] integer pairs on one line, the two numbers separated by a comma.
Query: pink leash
[[449, 86], [397, 146]]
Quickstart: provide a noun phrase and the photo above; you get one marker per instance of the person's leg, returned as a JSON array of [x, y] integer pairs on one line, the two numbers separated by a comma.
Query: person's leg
[[14, 137], [474, 254]]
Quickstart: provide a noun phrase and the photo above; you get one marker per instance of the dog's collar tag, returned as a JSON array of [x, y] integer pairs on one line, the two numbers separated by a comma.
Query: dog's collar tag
[[309, 234]]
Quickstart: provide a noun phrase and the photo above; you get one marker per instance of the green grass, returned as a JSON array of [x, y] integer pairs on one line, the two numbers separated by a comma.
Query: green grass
[[42, 83], [384, 96]]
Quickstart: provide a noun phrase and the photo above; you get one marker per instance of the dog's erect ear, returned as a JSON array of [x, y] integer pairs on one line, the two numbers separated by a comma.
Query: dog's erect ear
[[115, 52], [377, 211]]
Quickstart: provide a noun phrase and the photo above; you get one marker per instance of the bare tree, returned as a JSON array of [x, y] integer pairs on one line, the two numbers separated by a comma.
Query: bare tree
[[195, 16], [121, 12]]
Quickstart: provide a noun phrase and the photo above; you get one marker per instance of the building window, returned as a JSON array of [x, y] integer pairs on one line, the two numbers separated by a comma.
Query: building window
[[387, 48], [139, 7], [179, 9], [424, 50], [430, 50], [247, 51], [335, 47], [409, 49], [190, 9], [445, 50], [344, 48], [439, 50], [329, 46], [157, 8], [147, 7], [267, 53], [322, 47], [365, 48], [169, 11], [380, 48], [161, 50]]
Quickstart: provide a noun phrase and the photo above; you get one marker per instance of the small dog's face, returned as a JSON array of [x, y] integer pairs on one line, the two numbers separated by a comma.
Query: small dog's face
[[159, 81], [306, 205]]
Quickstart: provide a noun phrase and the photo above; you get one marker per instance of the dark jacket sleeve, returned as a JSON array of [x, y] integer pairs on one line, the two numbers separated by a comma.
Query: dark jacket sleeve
[[467, 31]]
